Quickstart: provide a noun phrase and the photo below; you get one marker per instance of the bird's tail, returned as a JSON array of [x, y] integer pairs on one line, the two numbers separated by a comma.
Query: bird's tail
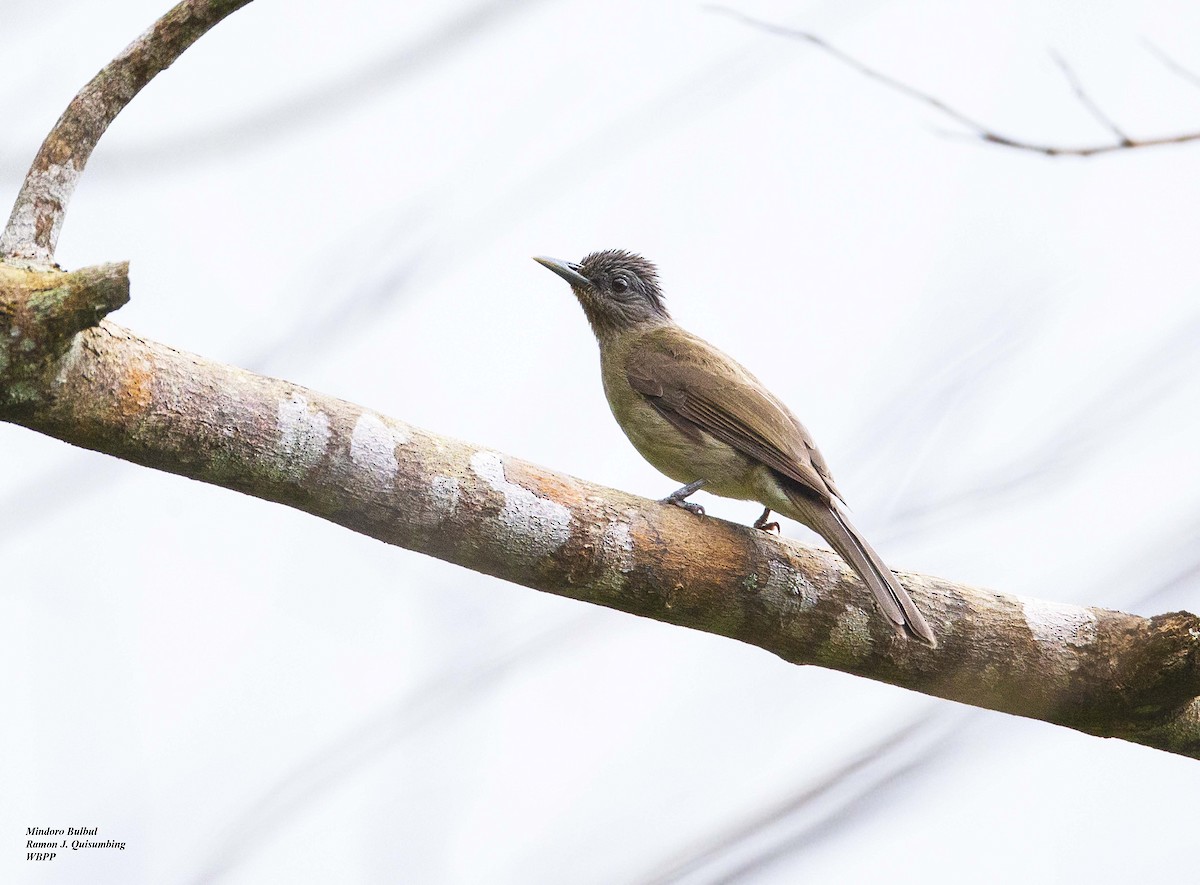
[[893, 599]]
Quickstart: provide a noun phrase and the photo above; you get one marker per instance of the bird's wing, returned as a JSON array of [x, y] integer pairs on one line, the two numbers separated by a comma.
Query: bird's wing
[[691, 383]]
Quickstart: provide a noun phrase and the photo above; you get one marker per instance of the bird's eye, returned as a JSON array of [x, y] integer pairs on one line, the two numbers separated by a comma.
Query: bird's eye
[[620, 284]]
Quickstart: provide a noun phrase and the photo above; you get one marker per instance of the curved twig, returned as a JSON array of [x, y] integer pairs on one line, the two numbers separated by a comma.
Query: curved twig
[[976, 131], [1088, 102], [33, 227], [1171, 64]]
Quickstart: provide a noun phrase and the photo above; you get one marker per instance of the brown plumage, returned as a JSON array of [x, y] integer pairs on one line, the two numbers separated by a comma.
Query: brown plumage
[[702, 419]]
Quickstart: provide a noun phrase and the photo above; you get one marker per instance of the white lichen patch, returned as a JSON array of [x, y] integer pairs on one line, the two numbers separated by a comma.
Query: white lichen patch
[[791, 585], [303, 432], [373, 446], [444, 494], [616, 541], [142, 39], [1058, 623], [51, 186], [534, 525]]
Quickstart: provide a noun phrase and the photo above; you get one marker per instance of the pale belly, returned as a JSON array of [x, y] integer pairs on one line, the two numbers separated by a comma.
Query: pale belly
[[726, 471]]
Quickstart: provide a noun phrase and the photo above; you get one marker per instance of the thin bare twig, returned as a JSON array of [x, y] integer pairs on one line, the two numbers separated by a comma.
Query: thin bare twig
[[1171, 64], [977, 131], [1086, 100], [32, 232], [850, 61]]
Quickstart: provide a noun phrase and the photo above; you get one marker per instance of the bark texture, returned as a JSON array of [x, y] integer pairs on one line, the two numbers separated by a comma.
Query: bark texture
[[37, 216], [1098, 671], [68, 373]]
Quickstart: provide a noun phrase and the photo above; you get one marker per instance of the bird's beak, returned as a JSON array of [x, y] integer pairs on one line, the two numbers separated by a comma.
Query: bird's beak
[[569, 272]]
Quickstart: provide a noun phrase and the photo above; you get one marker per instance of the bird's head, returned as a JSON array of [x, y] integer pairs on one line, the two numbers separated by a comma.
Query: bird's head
[[618, 290]]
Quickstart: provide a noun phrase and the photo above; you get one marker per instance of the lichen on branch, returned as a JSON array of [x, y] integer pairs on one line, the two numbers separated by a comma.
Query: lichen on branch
[[1103, 672], [40, 314]]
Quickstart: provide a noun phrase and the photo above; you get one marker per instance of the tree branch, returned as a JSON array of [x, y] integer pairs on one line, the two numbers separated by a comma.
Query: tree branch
[[976, 130], [66, 372], [1171, 64], [32, 232], [40, 312], [1089, 103], [1097, 671]]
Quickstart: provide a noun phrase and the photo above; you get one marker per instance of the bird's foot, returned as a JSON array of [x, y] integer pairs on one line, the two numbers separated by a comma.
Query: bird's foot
[[679, 497], [686, 505], [762, 525]]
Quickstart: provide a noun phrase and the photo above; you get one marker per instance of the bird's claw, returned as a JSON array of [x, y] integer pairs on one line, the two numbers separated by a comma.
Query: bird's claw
[[679, 497], [697, 509], [762, 525]]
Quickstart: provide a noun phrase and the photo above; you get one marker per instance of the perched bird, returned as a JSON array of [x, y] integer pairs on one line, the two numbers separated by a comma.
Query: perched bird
[[703, 420]]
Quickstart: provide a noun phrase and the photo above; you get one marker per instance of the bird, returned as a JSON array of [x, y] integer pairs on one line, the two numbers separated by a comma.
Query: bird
[[699, 417]]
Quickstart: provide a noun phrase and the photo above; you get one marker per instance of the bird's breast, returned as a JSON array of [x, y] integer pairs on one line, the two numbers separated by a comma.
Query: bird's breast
[[683, 457]]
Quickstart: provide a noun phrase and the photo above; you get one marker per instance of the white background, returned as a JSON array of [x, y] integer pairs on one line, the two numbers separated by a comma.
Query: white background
[[998, 352]]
